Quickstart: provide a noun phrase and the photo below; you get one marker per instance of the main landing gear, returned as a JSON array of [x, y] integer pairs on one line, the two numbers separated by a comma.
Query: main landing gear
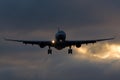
[[70, 50], [49, 51]]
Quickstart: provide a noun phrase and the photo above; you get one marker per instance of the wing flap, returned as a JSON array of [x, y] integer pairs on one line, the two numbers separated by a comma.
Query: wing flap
[[40, 43], [80, 42]]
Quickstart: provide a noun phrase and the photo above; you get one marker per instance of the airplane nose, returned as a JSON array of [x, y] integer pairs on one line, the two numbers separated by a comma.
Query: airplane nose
[[60, 36]]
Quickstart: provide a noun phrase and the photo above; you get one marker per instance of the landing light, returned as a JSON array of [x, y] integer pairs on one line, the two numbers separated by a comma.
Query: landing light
[[53, 41]]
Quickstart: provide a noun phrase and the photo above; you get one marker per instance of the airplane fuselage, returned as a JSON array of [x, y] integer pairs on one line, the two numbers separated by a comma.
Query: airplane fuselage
[[60, 37]]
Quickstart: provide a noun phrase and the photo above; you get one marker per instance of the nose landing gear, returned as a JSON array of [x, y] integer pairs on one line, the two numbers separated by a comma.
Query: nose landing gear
[[70, 50], [49, 51]]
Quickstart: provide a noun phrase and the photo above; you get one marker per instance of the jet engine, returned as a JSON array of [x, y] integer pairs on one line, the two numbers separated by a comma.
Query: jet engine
[[78, 45], [42, 45]]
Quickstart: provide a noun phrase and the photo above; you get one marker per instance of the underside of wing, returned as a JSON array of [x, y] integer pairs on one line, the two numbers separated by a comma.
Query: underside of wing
[[78, 43], [42, 44]]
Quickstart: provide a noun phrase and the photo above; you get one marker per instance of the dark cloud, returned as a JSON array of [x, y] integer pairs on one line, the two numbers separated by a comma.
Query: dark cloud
[[23, 17], [38, 19], [30, 15], [52, 68]]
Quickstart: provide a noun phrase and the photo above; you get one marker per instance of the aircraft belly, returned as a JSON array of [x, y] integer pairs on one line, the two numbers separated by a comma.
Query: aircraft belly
[[60, 46]]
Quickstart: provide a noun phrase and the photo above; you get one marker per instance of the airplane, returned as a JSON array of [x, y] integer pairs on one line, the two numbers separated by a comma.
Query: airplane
[[60, 42]]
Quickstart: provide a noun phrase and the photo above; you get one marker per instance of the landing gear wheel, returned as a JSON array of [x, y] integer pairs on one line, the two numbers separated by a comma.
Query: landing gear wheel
[[49, 51], [69, 51]]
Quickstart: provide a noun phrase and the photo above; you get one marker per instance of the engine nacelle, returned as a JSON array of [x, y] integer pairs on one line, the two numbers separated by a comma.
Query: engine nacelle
[[78, 46], [42, 45]]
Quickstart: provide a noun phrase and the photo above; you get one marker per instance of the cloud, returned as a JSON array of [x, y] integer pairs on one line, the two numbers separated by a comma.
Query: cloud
[[33, 15], [85, 17], [56, 67], [81, 65], [100, 51], [37, 20]]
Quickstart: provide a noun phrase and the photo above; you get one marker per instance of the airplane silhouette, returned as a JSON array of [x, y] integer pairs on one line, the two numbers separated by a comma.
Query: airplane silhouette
[[60, 42]]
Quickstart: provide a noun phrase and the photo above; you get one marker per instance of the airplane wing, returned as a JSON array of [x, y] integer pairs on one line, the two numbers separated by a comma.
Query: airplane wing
[[42, 44], [68, 43], [80, 42]]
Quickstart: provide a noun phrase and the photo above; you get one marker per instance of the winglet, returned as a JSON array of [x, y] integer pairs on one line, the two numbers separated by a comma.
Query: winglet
[[7, 39], [4, 38], [112, 38]]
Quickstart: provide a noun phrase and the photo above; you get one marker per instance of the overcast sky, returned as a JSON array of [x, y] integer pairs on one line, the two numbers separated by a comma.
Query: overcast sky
[[39, 20]]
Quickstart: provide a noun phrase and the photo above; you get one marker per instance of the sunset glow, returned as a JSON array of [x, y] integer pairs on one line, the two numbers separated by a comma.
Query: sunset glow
[[52, 30], [101, 51]]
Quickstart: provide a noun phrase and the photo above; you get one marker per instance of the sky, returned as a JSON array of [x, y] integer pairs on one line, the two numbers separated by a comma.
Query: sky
[[39, 20]]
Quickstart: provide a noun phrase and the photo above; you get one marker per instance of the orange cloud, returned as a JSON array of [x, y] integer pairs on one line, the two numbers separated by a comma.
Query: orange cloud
[[99, 51]]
